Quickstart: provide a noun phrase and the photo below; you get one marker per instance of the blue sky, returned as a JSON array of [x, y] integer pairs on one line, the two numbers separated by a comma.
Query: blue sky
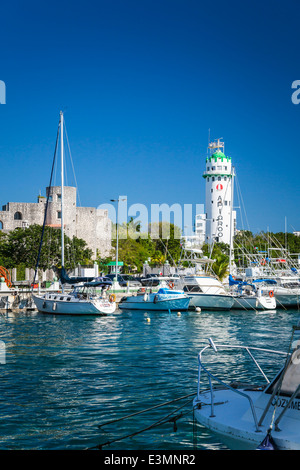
[[141, 83]]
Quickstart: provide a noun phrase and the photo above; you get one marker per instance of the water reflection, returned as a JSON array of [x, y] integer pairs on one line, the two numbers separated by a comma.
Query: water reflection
[[65, 375]]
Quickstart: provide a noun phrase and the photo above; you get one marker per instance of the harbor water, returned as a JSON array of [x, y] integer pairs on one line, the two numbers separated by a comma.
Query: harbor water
[[63, 376]]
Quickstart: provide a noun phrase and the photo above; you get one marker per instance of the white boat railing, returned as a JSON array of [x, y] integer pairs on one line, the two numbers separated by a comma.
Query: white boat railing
[[211, 376]]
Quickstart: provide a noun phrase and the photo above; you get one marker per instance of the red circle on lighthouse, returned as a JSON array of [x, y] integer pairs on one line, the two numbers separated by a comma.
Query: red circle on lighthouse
[[219, 187]]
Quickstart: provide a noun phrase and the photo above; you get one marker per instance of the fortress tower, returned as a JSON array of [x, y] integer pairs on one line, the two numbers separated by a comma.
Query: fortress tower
[[220, 216]]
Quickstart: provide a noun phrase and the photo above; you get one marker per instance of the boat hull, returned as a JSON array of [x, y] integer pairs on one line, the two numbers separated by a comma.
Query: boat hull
[[254, 303], [287, 300], [76, 307], [232, 421], [154, 302], [210, 301]]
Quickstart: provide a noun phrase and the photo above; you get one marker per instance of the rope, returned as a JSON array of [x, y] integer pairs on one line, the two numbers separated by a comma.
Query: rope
[[147, 409], [161, 421], [278, 390], [72, 164]]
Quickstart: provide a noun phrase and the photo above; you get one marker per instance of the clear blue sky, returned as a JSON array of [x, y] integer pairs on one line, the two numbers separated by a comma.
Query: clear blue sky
[[141, 82]]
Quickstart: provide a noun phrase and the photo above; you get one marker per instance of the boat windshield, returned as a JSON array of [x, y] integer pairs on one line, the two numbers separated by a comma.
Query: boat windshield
[[188, 288]]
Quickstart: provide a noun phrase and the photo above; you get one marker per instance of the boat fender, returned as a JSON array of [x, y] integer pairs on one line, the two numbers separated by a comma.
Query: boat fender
[[155, 300], [271, 293], [54, 306], [145, 297], [44, 304], [112, 297]]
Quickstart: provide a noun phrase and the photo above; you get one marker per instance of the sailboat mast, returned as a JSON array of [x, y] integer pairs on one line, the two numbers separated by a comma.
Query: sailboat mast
[[62, 188], [231, 224]]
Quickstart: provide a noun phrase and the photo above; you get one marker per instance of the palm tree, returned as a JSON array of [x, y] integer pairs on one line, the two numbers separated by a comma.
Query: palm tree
[[220, 266]]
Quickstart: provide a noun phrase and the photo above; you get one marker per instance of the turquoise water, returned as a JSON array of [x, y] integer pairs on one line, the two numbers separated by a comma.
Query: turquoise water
[[65, 375]]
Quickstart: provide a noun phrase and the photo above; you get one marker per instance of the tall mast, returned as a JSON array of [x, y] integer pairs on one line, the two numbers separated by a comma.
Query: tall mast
[[231, 223], [62, 188]]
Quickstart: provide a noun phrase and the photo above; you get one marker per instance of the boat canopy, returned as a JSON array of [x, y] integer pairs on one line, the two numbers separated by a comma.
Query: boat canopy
[[164, 290], [233, 281], [98, 281], [65, 279], [267, 281]]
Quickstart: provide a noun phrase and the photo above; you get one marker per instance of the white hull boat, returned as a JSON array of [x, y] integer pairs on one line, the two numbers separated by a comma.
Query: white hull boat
[[211, 302], [285, 289], [250, 296], [253, 416], [286, 297], [254, 302], [73, 304], [163, 300], [206, 292]]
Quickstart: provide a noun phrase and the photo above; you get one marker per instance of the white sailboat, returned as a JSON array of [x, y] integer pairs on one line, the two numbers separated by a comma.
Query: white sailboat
[[250, 296], [83, 300]]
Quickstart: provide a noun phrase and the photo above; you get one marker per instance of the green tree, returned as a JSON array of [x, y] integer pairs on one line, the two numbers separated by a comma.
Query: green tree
[[21, 247], [221, 266]]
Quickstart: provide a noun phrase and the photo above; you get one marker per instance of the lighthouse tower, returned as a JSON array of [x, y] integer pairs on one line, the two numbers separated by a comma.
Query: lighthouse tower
[[220, 216]]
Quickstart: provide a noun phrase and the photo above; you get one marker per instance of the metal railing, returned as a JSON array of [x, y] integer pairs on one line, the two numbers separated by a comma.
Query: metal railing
[[229, 387]]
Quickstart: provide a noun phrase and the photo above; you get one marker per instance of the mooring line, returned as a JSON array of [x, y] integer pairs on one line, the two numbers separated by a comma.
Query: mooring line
[[161, 421], [147, 409]]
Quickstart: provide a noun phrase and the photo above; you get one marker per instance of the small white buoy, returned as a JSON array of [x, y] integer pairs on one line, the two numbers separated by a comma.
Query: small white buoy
[[198, 309], [148, 319], [178, 314]]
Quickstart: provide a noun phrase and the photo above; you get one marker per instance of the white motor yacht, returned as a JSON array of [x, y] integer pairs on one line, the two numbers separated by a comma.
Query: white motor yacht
[[206, 292]]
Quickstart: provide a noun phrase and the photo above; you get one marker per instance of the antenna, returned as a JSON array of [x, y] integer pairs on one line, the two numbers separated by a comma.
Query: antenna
[[217, 144]]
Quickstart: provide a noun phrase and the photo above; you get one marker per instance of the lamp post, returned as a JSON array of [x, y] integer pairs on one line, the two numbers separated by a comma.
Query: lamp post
[[117, 225]]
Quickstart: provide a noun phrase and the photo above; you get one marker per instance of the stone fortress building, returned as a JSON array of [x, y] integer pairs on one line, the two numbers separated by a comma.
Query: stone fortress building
[[88, 223]]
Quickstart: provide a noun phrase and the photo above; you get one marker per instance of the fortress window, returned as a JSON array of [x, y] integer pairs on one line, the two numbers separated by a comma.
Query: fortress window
[[18, 216], [59, 214], [59, 197]]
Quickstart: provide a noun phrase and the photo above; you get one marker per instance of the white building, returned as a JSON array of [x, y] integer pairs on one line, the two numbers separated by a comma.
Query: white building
[[200, 227], [220, 216], [197, 238]]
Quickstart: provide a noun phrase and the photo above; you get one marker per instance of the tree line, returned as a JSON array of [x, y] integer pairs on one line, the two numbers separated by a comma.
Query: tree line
[[161, 244]]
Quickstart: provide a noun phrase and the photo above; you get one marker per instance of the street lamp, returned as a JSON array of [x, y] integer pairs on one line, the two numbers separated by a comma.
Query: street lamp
[[117, 225]]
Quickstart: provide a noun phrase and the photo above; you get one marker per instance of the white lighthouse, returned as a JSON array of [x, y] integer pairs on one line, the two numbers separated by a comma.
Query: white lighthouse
[[220, 216]]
